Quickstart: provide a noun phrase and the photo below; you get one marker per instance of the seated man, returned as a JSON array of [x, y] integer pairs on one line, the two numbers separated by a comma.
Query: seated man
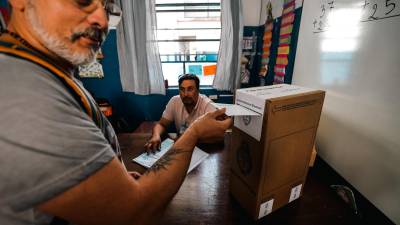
[[182, 109]]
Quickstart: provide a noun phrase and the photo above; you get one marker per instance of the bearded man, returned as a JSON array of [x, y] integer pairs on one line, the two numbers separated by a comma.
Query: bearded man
[[182, 109], [59, 159]]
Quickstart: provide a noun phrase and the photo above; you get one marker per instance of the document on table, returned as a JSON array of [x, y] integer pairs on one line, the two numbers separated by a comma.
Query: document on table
[[147, 160], [235, 110]]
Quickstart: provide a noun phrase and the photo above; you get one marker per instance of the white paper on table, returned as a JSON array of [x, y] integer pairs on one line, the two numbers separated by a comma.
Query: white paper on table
[[198, 156], [235, 110], [147, 160]]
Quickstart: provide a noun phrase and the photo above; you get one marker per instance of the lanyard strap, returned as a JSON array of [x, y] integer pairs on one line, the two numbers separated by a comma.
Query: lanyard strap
[[77, 92]]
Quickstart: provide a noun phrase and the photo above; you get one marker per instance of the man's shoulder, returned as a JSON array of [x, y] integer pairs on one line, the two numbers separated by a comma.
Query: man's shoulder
[[29, 84], [175, 98], [205, 104], [175, 101], [13, 60], [17, 70], [204, 98]]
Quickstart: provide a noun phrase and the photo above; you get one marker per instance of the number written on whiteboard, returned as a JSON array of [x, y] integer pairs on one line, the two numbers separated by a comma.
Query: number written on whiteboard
[[319, 23], [372, 10]]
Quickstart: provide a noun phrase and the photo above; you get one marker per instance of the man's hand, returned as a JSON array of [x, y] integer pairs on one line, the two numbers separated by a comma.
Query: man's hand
[[211, 126], [153, 144], [159, 130]]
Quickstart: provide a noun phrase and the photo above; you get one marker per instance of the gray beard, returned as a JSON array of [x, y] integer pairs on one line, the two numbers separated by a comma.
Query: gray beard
[[55, 44]]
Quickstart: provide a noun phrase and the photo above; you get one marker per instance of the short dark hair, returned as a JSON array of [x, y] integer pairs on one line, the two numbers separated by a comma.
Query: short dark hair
[[189, 76]]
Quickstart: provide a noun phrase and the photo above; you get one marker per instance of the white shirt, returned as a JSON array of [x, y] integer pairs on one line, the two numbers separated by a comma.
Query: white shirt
[[176, 111]]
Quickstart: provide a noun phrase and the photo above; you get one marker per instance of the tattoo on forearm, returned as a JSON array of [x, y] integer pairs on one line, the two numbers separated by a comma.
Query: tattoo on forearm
[[164, 161]]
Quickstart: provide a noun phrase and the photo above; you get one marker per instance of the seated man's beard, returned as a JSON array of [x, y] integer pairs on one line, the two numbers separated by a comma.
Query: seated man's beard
[[188, 101], [60, 47]]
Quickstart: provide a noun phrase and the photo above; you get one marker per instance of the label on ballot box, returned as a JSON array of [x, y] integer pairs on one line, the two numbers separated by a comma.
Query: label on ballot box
[[295, 193], [266, 208]]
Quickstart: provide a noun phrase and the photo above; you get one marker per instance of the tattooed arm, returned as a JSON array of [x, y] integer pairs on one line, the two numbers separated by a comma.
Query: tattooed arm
[[112, 196]]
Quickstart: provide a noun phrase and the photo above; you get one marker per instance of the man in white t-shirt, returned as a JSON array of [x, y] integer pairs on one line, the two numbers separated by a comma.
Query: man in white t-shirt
[[182, 109]]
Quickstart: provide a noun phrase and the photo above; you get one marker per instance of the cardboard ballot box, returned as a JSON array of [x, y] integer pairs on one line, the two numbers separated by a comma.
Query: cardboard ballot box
[[271, 152]]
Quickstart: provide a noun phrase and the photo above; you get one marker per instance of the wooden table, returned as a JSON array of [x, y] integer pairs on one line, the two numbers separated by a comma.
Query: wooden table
[[204, 195]]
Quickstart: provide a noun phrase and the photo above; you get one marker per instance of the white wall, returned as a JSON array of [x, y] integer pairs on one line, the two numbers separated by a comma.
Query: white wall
[[356, 61], [251, 12]]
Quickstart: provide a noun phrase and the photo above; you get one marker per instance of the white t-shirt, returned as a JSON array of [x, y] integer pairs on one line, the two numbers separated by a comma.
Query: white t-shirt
[[176, 111]]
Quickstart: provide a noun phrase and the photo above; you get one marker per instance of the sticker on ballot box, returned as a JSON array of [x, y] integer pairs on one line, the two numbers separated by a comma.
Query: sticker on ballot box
[[295, 193], [266, 208], [252, 125]]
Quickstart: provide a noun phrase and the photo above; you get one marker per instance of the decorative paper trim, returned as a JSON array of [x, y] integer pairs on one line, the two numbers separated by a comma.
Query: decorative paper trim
[[281, 55], [288, 3], [288, 19], [279, 79], [267, 36], [287, 10], [265, 60], [266, 50], [267, 44], [284, 50], [286, 29], [269, 27], [265, 55], [279, 69], [285, 37], [285, 40], [282, 61]]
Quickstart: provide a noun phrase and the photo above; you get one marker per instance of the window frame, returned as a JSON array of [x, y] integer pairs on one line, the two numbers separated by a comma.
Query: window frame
[[183, 56]]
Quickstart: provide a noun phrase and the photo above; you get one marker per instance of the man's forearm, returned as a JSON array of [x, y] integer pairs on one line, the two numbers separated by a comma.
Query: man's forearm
[[164, 178], [184, 145], [159, 130], [128, 200]]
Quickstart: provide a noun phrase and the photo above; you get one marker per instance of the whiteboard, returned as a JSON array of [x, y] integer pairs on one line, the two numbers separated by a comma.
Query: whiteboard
[[351, 49]]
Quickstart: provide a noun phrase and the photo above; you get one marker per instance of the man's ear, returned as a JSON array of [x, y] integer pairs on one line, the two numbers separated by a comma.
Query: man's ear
[[18, 5]]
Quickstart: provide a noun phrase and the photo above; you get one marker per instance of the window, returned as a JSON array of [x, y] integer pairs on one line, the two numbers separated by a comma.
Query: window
[[188, 34]]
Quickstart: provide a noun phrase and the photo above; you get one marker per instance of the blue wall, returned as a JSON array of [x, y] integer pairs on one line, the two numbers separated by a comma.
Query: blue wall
[[130, 107], [3, 3]]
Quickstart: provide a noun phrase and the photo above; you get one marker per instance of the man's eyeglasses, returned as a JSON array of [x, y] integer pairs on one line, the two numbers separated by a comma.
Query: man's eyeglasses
[[113, 11]]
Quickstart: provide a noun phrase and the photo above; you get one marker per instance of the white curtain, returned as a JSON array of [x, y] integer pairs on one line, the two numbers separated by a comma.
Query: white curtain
[[230, 49], [138, 55]]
